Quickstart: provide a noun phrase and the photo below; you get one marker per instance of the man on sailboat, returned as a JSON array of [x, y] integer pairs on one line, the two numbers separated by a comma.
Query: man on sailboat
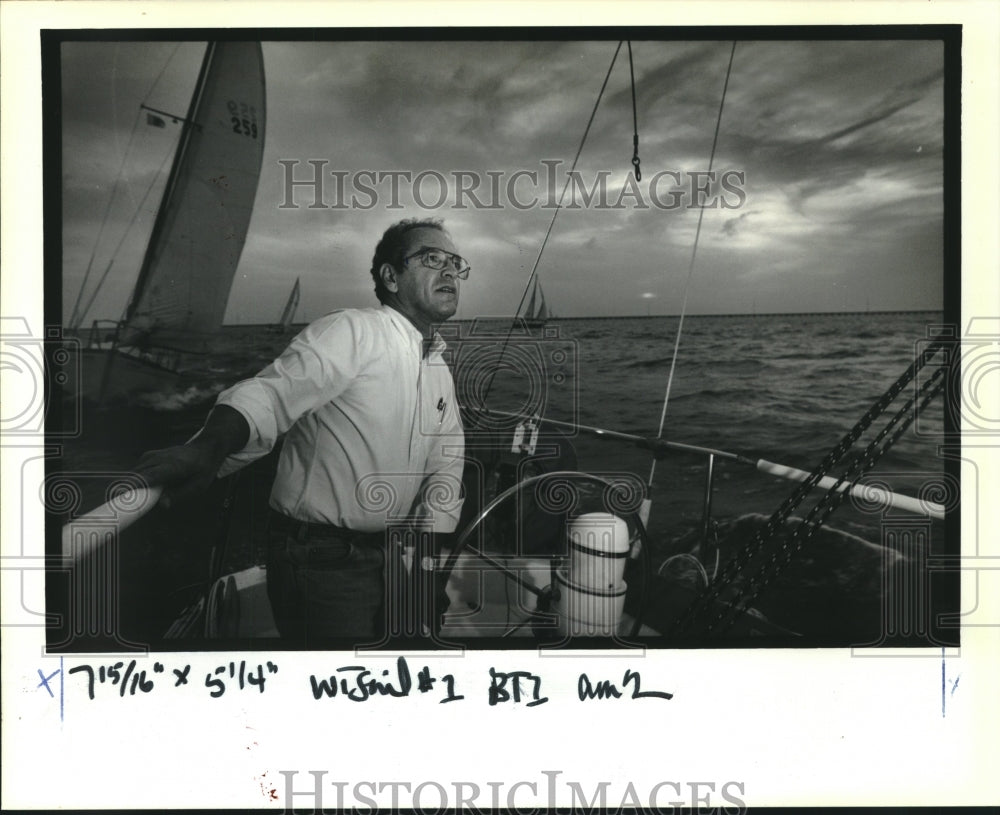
[[373, 441]]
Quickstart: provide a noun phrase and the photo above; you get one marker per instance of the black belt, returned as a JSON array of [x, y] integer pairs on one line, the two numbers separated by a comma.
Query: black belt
[[311, 530]]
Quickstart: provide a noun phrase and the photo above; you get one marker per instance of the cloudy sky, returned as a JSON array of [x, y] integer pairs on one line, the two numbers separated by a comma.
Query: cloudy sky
[[838, 205]]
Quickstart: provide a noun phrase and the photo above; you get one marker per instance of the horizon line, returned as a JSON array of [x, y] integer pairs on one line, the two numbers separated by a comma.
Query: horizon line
[[508, 318]]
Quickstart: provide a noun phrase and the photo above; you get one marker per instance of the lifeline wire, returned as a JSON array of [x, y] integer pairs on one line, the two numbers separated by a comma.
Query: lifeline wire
[[687, 285], [824, 508], [552, 222], [898, 423]]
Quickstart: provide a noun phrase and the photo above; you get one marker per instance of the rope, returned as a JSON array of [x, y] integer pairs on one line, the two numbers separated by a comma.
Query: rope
[[548, 232], [833, 498], [819, 514], [775, 522], [687, 284]]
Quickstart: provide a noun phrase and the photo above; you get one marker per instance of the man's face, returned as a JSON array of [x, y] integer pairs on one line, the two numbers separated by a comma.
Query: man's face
[[426, 295]]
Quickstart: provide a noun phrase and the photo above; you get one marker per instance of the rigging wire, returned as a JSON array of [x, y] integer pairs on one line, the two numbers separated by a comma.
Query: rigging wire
[[687, 284], [548, 232], [635, 119], [125, 234], [76, 318]]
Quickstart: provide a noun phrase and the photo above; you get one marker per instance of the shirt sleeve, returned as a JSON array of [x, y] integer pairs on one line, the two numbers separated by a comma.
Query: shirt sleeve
[[316, 367], [441, 493]]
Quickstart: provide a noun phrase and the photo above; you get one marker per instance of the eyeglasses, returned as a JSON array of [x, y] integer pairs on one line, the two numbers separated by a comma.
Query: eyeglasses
[[438, 260]]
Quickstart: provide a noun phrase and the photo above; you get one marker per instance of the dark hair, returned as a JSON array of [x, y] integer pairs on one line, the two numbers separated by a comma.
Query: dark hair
[[390, 248]]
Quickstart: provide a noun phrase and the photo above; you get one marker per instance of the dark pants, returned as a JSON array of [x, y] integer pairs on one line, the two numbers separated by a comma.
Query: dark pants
[[325, 582]]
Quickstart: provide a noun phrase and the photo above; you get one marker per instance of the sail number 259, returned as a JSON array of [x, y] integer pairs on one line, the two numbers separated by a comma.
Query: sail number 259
[[243, 118]]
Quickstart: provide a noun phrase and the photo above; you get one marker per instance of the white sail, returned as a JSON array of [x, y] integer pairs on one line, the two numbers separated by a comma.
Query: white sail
[[529, 312], [183, 287], [289, 310], [543, 312], [537, 310]]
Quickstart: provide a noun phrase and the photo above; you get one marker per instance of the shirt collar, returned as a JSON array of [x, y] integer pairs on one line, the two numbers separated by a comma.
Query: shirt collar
[[437, 344]]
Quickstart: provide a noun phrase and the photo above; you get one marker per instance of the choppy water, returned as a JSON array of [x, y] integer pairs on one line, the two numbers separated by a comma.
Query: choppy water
[[780, 387]]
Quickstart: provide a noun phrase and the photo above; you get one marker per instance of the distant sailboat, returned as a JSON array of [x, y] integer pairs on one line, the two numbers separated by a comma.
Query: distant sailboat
[[180, 296], [288, 312], [537, 312]]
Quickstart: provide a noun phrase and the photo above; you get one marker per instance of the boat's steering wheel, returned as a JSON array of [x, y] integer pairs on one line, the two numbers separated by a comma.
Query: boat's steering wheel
[[444, 575]]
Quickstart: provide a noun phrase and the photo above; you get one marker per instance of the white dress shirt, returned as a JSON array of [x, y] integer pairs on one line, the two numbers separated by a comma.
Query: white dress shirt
[[372, 428]]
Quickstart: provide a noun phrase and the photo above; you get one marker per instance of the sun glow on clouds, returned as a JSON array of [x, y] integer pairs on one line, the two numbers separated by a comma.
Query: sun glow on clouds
[[872, 190], [830, 162]]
